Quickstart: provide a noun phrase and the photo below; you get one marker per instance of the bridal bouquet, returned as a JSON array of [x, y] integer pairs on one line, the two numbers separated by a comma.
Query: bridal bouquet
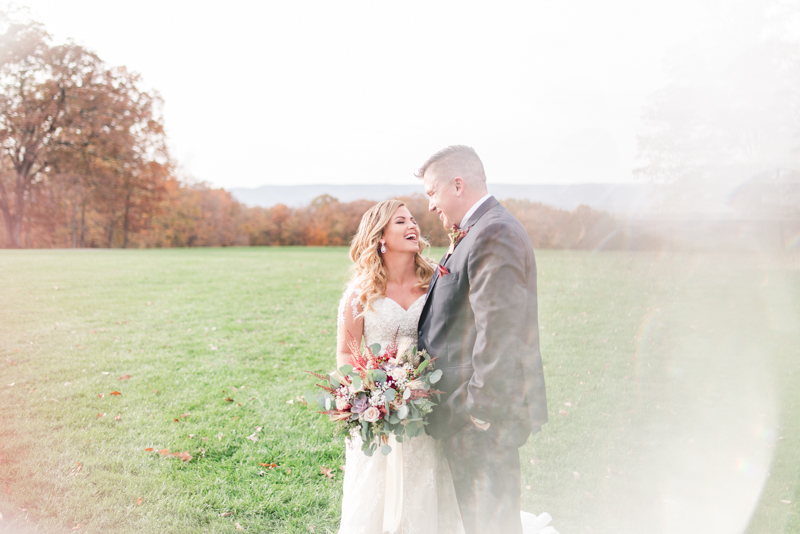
[[378, 395]]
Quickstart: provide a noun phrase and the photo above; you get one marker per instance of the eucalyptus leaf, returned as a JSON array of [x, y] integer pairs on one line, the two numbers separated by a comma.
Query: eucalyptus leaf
[[369, 451], [390, 394], [423, 366], [375, 348], [310, 395], [399, 438], [357, 382], [402, 413], [411, 429], [435, 376], [378, 375], [407, 393], [394, 419], [335, 382], [386, 450], [346, 369]]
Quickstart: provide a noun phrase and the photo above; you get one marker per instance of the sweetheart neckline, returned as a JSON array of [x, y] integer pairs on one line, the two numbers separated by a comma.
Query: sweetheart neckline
[[402, 308]]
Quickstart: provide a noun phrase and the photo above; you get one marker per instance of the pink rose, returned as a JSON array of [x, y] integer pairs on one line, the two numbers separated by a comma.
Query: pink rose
[[372, 414]]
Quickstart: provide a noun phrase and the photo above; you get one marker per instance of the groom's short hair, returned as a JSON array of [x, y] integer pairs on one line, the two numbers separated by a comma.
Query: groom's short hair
[[455, 160]]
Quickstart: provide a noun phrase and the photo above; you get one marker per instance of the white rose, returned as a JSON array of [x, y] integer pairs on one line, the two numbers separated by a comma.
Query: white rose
[[372, 414], [398, 373]]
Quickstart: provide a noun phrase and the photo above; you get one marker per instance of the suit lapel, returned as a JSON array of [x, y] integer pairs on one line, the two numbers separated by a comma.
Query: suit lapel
[[430, 288], [474, 218]]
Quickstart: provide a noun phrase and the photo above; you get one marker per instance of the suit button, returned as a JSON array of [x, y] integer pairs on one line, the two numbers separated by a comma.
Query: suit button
[[419, 333]]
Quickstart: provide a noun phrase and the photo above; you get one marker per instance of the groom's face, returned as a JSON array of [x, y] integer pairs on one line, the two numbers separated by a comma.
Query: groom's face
[[441, 198]]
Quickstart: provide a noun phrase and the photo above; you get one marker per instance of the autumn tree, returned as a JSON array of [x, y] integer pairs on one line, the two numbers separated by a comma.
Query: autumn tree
[[69, 122]]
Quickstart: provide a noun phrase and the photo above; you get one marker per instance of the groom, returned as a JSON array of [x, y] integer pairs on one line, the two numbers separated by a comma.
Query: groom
[[480, 321]]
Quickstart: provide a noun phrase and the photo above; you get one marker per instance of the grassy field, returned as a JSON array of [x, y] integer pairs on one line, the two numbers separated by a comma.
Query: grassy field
[[672, 389]]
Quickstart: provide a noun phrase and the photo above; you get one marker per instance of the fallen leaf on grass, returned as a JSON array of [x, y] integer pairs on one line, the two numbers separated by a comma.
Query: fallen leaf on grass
[[124, 377], [139, 501], [253, 437], [239, 527], [118, 417], [786, 502], [101, 395], [77, 527], [76, 470], [149, 449], [185, 456], [100, 415], [185, 415], [228, 399], [268, 466], [163, 451], [576, 475], [115, 393], [327, 472], [563, 412], [226, 514]]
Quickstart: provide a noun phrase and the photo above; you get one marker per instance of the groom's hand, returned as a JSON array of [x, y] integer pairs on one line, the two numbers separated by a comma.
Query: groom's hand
[[483, 425]]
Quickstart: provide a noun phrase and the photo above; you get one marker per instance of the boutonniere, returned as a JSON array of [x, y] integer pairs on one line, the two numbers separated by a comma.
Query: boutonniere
[[456, 235], [443, 271]]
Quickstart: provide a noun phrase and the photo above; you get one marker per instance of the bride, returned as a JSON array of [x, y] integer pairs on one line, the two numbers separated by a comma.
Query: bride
[[410, 490]]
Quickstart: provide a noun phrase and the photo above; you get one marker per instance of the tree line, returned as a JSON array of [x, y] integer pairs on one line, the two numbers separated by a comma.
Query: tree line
[[196, 215]]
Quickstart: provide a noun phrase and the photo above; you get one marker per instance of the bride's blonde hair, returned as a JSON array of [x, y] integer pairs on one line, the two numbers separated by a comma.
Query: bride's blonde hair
[[369, 272]]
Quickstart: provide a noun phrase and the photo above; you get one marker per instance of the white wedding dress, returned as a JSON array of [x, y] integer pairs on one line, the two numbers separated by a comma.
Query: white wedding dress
[[410, 490]]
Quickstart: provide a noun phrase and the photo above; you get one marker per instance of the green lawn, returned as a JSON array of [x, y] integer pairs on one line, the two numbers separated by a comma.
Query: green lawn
[[672, 387]]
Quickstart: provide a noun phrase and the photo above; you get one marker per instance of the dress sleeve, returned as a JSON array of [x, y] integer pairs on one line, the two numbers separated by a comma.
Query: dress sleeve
[[350, 325]]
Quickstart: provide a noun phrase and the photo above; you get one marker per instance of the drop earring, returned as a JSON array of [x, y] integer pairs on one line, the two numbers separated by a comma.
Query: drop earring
[[383, 247]]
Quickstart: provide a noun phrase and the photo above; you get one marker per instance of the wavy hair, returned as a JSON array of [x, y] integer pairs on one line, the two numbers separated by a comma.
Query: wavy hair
[[369, 272]]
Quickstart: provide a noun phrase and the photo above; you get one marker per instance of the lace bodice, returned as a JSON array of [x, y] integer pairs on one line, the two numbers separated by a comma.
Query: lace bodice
[[389, 318], [385, 320]]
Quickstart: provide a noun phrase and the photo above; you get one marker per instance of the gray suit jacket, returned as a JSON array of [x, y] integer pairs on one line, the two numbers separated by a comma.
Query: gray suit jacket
[[481, 322]]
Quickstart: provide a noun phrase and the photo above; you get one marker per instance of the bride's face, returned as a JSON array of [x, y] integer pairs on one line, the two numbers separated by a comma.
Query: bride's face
[[402, 232]]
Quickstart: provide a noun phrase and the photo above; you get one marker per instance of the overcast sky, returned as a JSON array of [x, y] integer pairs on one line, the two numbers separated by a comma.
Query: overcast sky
[[364, 91]]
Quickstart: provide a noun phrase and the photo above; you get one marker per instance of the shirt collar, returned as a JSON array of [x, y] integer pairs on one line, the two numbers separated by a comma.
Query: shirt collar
[[473, 209]]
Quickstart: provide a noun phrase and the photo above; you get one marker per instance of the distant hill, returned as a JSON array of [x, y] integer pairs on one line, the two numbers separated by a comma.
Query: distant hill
[[622, 199]]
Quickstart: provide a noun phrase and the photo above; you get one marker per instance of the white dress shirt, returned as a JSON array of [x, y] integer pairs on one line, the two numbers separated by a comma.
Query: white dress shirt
[[473, 209]]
